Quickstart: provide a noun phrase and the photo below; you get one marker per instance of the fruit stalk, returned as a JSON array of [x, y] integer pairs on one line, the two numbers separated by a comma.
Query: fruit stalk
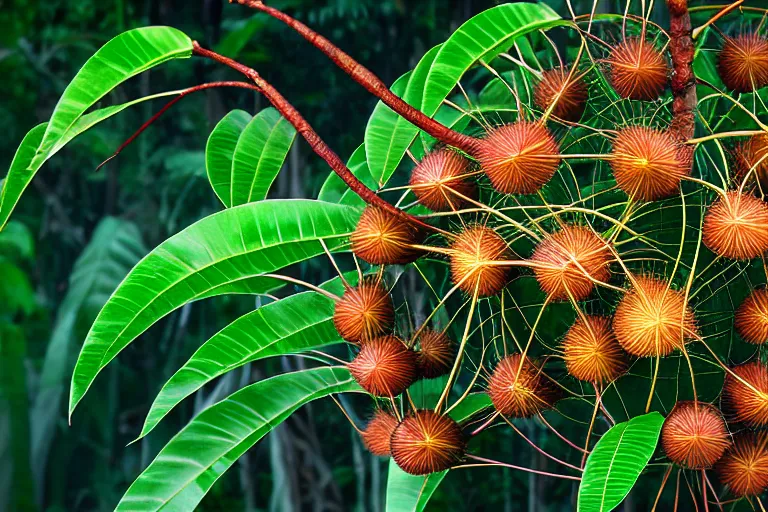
[[683, 80]]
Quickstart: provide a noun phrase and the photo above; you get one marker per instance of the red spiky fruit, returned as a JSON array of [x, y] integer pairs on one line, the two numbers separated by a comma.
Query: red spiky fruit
[[652, 319], [475, 256], [571, 94], [384, 366], [736, 227], [435, 355], [743, 62], [649, 164], [747, 404], [694, 435], [744, 467], [569, 262], [440, 180], [592, 353], [638, 70], [752, 317], [751, 161], [378, 433], [425, 442], [521, 392], [364, 312], [519, 158], [380, 238]]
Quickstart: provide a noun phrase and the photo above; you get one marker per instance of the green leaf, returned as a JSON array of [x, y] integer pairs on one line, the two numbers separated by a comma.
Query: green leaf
[[187, 467], [220, 152], [216, 255], [334, 190], [616, 462]]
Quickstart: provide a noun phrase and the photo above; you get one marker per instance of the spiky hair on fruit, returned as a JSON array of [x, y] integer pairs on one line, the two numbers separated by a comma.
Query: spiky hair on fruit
[[380, 238], [566, 88], [435, 354], [440, 180], [694, 435], [521, 392], [592, 353], [426, 442], [744, 467], [378, 432], [752, 317], [648, 164], [736, 226], [519, 158], [652, 319], [384, 366], [750, 161], [638, 70], [570, 261], [364, 312], [743, 62], [747, 404], [475, 255]]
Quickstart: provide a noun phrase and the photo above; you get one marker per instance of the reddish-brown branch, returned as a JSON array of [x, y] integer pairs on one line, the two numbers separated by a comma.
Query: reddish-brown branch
[[683, 80], [317, 144], [168, 105], [370, 81]]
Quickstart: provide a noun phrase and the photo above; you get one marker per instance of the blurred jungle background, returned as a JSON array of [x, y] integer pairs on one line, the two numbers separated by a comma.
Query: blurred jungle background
[[77, 233]]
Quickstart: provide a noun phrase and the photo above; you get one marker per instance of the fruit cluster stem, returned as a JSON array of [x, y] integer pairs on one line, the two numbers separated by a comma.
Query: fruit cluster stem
[[683, 79]]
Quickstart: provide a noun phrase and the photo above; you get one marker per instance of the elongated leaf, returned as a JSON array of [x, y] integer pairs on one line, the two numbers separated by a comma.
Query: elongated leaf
[[616, 462], [334, 190], [210, 257], [220, 151], [198, 455]]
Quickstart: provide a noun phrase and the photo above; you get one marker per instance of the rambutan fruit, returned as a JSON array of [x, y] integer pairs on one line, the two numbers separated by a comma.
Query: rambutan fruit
[[569, 262], [378, 433], [384, 366], [653, 320], [521, 392], [649, 164], [751, 161], [380, 238], [426, 442], [747, 404], [638, 71], [744, 467], [736, 227], [364, 312], [743, 62], [694, 435], [752, 317], [435, 355], [475, 256], [519, 158], [571, 95], [439, 177], [592, 353]]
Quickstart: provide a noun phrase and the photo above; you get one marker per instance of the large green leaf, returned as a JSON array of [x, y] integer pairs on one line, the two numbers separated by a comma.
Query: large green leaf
[[334, 190], [220, 152], [187, 467], [616, 462], [213, 256]]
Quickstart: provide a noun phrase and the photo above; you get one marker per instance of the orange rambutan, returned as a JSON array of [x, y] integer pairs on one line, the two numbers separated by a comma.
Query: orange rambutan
[[750, 159], [571, 94], [439, 177], [744, 467], [378, 433], [694, 435], [752, 317], [638, 70], [743, 62], [648, 164], [592, 353], [653, 320], [380, 238], [736, 227], [384, 366], [364, 312], [521, 392], [569, 262], [426, 442], [475, 256], [747, 404], [519, 158], [435, 355]]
